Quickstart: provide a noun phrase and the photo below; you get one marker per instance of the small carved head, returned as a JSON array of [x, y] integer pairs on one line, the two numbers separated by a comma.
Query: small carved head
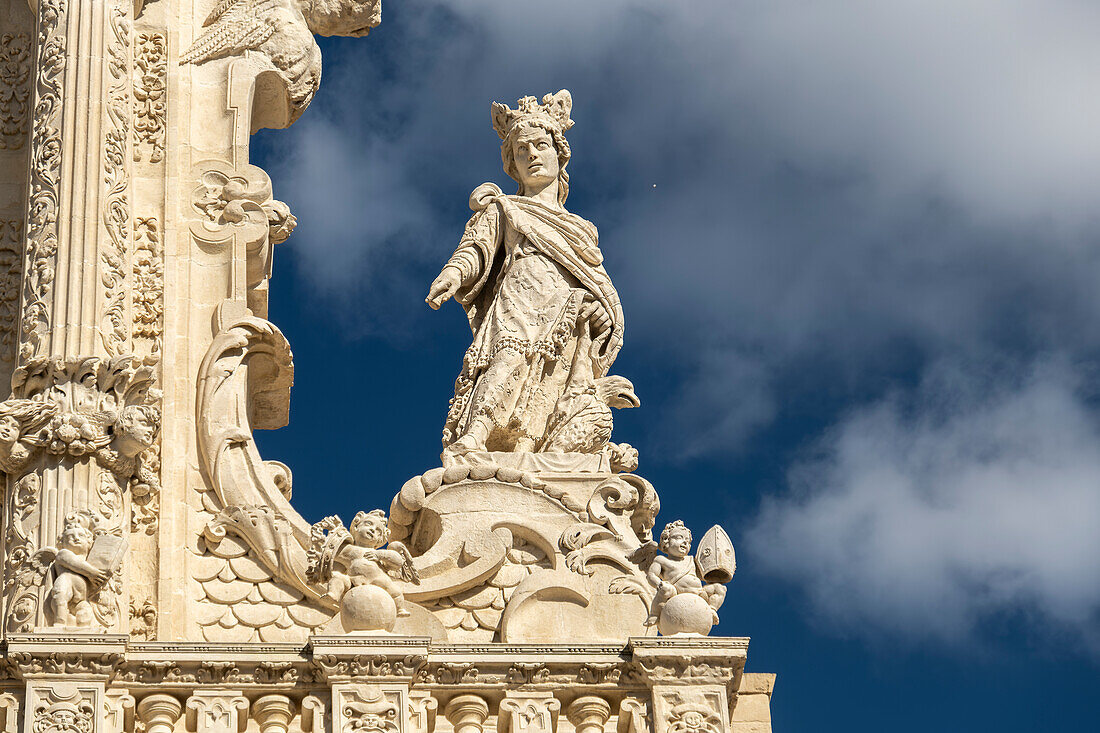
[[9, 430], [136, 429], [676, 540], [77, 535], [369, 529]]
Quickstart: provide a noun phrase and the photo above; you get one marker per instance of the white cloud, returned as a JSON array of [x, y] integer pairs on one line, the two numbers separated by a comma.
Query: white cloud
[[927, 516]]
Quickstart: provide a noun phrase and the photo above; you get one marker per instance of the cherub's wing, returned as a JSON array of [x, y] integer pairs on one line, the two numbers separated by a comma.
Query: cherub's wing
[[408, 570], [644, 555], [233, 27]]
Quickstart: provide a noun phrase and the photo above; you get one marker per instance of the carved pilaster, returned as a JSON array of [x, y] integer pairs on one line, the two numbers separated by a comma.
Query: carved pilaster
[[119, 708], [313, 715], [467, 713], [159, 713], [369, 708], [691, 709], [633, 716], [57, 706], [422, 709], [11, 705], [528, 712], [217, 711]]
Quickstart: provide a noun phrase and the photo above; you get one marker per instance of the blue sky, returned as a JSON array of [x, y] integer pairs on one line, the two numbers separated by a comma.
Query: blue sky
[[857, 247]]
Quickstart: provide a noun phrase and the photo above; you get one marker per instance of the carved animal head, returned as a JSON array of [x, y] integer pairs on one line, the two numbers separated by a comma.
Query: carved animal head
[[617, 392], [341, 17]]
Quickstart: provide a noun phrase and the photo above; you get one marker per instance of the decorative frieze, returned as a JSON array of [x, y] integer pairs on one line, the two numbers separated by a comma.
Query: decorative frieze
[[11, 268], [15, 88], [41, 250], [114, 332], [150, 100]]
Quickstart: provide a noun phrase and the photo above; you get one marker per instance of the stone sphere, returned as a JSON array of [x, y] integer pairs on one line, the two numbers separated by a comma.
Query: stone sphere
[[368, 608], [685, 613]]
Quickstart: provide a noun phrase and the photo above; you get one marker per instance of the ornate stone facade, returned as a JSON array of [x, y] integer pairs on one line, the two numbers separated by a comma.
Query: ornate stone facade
[[156, 573]]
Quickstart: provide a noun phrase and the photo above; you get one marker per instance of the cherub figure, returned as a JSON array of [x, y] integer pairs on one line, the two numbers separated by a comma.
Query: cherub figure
[[76, 580], [677, 572], [360, 551]]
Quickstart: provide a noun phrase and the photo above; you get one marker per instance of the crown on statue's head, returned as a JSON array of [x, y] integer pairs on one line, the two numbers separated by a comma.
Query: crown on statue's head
[[553, 113]]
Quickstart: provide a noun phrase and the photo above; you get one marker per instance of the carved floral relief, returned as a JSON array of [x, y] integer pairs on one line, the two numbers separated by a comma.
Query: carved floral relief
[[15, 89]]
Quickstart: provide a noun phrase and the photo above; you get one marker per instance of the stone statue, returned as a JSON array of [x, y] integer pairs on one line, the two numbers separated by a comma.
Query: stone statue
[[281, 31], [678, 574], [546, 320], [367, 568], [82, 566]]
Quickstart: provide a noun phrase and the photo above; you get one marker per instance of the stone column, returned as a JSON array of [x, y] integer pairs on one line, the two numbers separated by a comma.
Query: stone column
[[467, 713], [588, 714], [159, 713], [273, 713]]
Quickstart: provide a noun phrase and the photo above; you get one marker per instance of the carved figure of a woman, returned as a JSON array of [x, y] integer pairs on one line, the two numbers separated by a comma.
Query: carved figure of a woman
[[545, 317]]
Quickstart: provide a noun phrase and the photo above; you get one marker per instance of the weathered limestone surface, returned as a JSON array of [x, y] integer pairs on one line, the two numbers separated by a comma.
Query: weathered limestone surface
[[155, 571]]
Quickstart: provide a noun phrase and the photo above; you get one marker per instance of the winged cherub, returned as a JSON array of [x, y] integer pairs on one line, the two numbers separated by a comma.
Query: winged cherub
[[677, 571], [359, 550], [282, 31]]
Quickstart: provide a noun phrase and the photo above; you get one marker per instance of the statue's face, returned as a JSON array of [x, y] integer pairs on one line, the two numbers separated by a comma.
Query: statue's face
[[9, 429], [536, 158], [679, 544], [368, 532], [76, 537]]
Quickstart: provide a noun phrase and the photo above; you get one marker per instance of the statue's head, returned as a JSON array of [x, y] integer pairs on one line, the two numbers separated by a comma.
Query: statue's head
[[369, 529], [341, 17], [676, 540], [77, 533], [136, 429], [533, 146], [9, 430]]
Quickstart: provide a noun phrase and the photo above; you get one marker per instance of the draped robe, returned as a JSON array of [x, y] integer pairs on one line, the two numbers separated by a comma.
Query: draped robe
[[527, 269]]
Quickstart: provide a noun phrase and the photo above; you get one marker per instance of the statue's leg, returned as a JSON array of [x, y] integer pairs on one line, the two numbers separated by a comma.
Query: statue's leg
[[59, 598], [493, 400]]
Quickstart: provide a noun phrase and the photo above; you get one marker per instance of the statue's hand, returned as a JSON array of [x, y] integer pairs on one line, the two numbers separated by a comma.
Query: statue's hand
[[594, 312], [444, 287]]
